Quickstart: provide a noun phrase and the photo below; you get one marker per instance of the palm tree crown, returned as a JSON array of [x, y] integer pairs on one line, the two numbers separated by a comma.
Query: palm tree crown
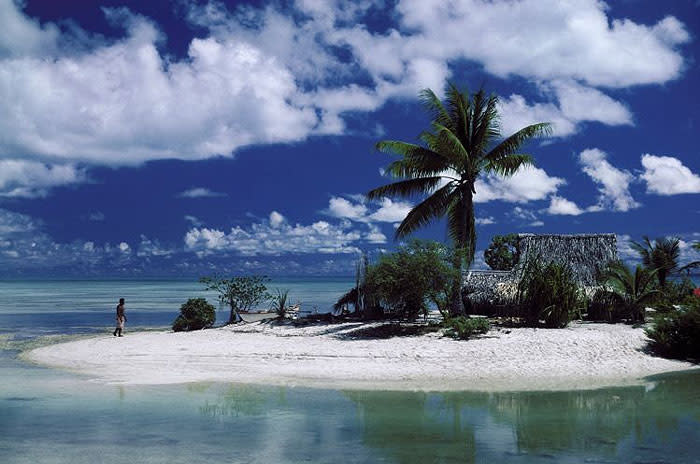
[[662, 255], [464, 141]]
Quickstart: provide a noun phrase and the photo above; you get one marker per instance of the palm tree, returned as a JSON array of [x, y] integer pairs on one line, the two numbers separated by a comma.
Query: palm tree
[[631, 291], [662, 255], [463, 142]]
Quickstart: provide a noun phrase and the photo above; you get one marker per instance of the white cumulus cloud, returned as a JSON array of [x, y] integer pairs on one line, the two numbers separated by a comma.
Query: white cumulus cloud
[[562, 206], [527, 184], [613, 183], [277, 237], [666, 175]]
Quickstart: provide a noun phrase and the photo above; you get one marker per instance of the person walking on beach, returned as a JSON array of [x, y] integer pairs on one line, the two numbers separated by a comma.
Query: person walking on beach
[[121, 318]]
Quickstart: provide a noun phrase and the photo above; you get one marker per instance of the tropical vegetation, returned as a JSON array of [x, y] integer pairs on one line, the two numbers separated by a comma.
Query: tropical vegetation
[[548, 294], [502, 254], [404, 284], [629, 292], [463, 142], [676, 334], [240, 293], [463, 328], [195, 314], [661, 256]]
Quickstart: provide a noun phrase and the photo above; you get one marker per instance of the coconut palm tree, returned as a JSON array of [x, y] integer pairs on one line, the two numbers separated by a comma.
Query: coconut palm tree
[[662, 255], [463, 142]]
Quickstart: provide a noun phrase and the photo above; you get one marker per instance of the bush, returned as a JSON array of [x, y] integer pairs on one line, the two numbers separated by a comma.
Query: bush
[[548, 293], [463, 328], [408, 282], [676, 334], [194, 315]]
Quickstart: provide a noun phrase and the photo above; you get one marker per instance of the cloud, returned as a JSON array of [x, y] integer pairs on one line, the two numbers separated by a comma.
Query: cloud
[[278, 74], [576, 40], [562, 206], [359, 210], [342, 208], [25, 246], [97, 216], [199, 192], [576, 104], [151, 247], [31, 179], [484, 221], [12, 223], [527, 184], [278, 237], [665, 175], [613, 183], [193, 220]]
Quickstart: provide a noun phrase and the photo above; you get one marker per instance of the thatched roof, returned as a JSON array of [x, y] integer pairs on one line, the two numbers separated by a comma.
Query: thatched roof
[[586, 254]]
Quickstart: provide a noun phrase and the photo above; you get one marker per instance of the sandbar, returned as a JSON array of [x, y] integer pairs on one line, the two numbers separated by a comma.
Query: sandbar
[[581, 356]]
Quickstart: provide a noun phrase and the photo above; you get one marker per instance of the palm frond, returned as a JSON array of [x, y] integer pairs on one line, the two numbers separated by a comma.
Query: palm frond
[[434, 106], [513, 143], [509, 165], [406, 188], [424, 212]]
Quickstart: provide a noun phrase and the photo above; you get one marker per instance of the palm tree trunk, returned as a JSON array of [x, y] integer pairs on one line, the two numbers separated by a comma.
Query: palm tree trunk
[[456, 304]]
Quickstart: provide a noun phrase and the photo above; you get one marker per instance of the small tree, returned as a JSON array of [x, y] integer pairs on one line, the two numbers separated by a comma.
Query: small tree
[[195, 314], [239, 293], [503, 252]]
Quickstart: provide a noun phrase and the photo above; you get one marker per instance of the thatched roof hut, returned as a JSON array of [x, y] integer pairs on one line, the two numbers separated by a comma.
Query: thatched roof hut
[[586, 254]]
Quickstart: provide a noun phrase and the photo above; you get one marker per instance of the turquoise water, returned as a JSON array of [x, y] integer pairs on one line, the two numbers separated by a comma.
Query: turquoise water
[[49, 416]]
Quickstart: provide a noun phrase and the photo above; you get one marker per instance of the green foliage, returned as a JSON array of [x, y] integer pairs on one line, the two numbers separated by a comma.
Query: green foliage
[[603, 306], [463, 328], [675, 293], [195, 314], [502, 254], [629, 292], [279, 302], [548, 292], [239, 293], [661, 256], [404, 283], [464, 141], [676, 334]]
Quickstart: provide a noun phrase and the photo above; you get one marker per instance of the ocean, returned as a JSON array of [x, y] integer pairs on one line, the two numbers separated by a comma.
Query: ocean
[[54, 416]]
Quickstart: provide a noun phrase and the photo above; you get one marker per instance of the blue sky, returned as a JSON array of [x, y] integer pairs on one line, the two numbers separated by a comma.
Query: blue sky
[[176, 138]]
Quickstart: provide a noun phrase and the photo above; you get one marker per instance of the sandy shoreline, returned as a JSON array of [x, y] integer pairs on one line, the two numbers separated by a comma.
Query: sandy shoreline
[[581, 356]]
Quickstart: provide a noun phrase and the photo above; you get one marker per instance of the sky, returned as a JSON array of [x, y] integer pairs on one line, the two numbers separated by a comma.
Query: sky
[[186, 138]]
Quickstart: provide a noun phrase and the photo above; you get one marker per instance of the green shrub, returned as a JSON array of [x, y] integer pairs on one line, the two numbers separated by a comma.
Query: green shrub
[[408, 282], [279, 302], [676, 334], [194, 315], [463, 328], [676, 293], [548, 292]]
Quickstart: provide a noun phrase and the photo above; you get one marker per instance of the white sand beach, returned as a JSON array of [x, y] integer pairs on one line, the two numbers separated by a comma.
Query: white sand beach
[[584, 355]]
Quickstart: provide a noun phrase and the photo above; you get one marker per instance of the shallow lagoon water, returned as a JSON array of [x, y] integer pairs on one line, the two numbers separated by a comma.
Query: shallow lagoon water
[[53, 416]]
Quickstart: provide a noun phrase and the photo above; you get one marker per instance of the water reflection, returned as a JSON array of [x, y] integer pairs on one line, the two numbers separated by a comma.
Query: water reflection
[[644, 422]]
